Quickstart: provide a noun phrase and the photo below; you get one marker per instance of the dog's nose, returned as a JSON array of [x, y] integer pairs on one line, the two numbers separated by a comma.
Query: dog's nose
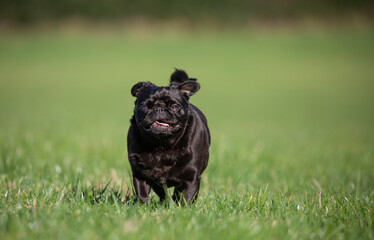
[[159, 109]]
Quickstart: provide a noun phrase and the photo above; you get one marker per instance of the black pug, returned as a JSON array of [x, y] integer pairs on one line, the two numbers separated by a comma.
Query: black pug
[[168, 140]]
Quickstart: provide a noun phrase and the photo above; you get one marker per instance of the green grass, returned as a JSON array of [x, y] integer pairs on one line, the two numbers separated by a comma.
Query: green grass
[[291, 115]]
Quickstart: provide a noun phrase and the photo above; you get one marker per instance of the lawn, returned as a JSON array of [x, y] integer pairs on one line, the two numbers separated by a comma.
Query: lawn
[[291, 114]]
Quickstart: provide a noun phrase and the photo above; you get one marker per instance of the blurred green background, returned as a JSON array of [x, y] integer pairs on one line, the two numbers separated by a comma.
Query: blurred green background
[[28, 11], [287, 87]]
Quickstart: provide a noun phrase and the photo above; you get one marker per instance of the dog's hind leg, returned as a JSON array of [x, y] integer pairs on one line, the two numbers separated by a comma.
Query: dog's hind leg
[[165, 188], [178, 196], [160, 191]]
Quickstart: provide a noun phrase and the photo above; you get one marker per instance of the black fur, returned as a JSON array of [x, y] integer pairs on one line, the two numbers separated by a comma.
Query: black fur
[[168, 140]]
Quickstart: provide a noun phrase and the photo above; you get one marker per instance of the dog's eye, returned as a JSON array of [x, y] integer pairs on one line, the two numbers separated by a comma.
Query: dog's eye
[[175, 107], [144, 108]]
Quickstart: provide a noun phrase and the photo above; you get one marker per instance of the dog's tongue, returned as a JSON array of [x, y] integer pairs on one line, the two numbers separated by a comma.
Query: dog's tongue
[[160, 123]]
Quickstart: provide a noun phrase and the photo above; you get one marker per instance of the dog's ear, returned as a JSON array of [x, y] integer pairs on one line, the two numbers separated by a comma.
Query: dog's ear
[[179, 80], [189, 88], [179, 76], [135, 90]]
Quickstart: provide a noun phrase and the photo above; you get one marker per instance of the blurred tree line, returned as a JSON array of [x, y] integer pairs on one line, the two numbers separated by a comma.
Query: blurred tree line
[[30, 11]]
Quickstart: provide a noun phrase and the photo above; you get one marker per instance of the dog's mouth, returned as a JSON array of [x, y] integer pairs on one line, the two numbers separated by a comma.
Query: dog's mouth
[[163, 127], [162, 124], [160, 127]]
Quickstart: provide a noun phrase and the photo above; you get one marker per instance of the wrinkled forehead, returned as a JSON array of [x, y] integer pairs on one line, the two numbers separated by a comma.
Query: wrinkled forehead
[[155, 93]]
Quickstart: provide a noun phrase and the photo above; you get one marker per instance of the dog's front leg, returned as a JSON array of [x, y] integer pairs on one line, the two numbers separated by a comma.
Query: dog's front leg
[[191, 190], [142, 189]]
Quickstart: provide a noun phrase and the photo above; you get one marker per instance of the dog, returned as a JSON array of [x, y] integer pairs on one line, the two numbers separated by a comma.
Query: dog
[[168, 140]]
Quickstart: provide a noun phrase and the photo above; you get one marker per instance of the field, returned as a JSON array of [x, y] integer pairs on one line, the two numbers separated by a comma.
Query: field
[[291, 114]]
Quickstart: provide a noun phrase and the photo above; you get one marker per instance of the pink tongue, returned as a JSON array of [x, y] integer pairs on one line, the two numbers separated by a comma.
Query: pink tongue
[[162, 124]]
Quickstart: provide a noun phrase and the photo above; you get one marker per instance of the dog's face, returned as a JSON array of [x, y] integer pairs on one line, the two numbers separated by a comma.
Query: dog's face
[[162, 111]]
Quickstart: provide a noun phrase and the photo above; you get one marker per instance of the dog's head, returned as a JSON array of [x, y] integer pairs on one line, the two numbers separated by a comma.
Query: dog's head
[[163, 111]]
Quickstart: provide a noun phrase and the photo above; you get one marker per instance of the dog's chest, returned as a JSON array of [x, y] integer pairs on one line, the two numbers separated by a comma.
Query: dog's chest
[[162, 166]]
